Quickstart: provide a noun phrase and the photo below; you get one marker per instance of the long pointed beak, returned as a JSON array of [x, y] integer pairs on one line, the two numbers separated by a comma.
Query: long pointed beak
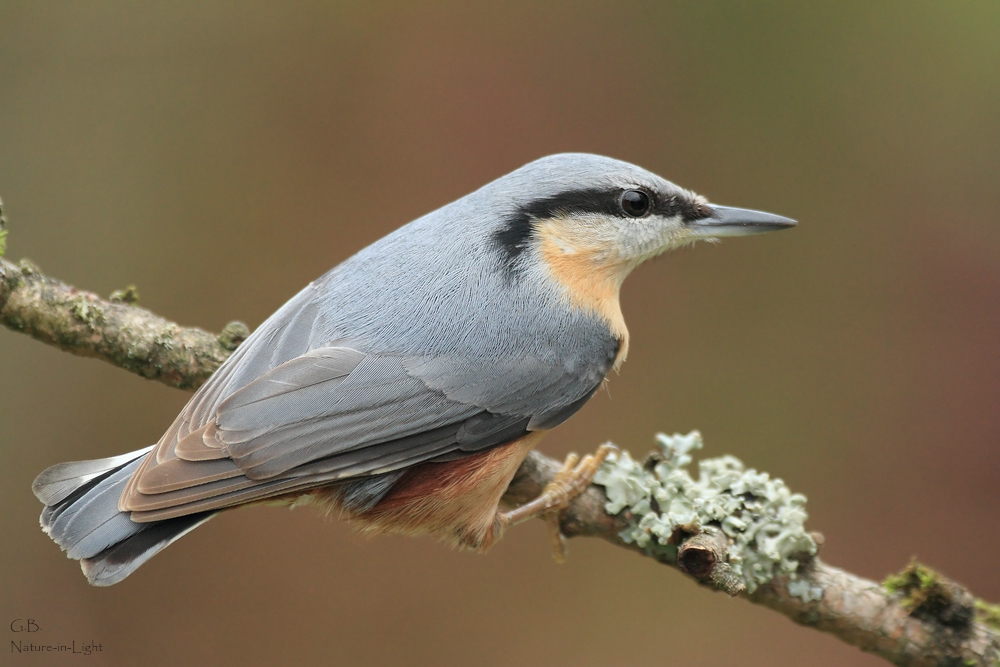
[[728, 221]]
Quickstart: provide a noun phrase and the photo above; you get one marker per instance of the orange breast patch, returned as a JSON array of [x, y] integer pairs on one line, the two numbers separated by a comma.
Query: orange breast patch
[[592, 281]]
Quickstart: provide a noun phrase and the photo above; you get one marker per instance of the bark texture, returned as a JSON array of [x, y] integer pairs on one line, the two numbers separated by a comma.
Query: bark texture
[[113, 330]]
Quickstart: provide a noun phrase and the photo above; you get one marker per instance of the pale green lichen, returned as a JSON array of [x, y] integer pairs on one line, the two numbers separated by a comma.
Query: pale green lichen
[[85, 311], [762, 517]]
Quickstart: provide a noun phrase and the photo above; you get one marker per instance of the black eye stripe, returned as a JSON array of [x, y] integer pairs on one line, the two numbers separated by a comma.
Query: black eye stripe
[[514, 236], [573, 201], [608, 202]]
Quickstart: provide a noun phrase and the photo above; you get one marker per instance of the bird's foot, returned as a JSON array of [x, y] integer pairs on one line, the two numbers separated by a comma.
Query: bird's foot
[[574, 478]]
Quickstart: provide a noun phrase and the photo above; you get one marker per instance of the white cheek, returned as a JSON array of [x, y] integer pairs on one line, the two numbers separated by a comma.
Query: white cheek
[[590, 231], [645, 238]]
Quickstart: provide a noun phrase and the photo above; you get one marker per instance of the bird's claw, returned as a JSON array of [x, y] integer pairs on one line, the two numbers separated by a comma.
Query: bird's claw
[[571, 481]]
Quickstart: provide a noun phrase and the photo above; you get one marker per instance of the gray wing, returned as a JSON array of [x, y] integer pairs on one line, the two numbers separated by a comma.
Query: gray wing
[[312, 416], [339, 410], [330, 410]]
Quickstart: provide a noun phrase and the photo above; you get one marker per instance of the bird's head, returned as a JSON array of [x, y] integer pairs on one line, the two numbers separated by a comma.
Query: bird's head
[[584, 222], [588, 213]]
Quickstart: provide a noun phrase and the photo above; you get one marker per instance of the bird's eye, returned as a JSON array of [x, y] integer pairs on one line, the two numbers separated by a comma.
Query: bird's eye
[[635, 203]]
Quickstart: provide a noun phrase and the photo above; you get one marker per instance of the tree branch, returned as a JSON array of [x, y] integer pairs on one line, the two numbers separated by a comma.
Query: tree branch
[[753, 546], [116, 331]]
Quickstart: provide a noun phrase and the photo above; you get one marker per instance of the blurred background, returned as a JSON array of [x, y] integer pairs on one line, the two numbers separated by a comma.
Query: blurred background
[[220, 155]]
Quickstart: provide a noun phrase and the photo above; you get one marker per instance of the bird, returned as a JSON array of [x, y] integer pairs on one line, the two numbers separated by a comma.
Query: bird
[[403, 388]]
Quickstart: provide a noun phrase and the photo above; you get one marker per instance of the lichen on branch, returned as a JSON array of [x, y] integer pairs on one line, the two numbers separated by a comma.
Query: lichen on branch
[[763, 519]]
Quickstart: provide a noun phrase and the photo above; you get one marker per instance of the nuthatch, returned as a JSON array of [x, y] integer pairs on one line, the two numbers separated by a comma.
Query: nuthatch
[[404, 388]]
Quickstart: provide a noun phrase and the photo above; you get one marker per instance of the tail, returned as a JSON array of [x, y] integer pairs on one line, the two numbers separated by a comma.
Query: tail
[[81, 514]]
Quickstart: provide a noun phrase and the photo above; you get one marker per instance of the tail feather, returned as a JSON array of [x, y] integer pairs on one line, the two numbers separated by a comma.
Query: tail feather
[[81, 515], [121, 559], [55, 484]]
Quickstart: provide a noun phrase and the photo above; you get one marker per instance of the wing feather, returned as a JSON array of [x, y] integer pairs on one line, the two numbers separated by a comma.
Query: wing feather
[[201, 445], [285, 415], [378, 401]]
